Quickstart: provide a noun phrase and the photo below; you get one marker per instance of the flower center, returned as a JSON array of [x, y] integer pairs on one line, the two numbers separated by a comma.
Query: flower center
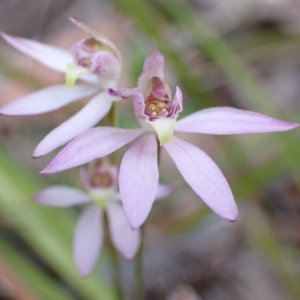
[[157, 104], [101, 180]]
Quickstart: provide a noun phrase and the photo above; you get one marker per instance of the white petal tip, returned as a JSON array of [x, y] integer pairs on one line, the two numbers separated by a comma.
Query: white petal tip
[[7, 111], [232, 217], [84, 273], [37, 154], [4, 35], [74, 20], [135, 224], [53, 167], [37, 197], [128, 257], [47, 171]]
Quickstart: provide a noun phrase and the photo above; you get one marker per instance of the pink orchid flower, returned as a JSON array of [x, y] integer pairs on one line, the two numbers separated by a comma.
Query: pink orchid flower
[[101, 196], [157, 113], [95, 60]]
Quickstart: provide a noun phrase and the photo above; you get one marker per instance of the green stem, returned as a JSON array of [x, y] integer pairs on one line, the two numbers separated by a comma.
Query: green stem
[[112, 116], [112, 119], [139, 274], [158, 151], [114, 260]]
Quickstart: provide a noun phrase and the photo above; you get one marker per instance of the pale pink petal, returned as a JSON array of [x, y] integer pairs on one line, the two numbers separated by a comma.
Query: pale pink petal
[[204, 177], [106, 66], [60, 195], [88, 239], [153, 67], [90, 78], [164, 191], [86, 118], [176, 103], [139, 106], [47, 99], [52, 57], [227, 120], [137, 97], [138, 179], [94, 143], [125, 239]]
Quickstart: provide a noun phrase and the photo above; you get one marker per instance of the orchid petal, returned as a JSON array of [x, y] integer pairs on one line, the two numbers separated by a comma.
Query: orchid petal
[[164, 129], [106, 66], [94, 143], [90, 78], [138, 99], [138, 179], [153, 67], [125, 239], [227, 120], [139, 105], [86, 118], [45, 100], [176, 103], [60, 195], [52, 57], [204, 177], [164, 191], [88, 239]]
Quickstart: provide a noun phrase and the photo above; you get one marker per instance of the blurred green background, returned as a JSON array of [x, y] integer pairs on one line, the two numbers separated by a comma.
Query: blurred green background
[[244, 54]]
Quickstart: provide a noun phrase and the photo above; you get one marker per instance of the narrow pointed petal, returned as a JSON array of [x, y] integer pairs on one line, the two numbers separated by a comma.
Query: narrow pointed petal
[[164, 191], [204, 177], [46, 100], [86, 118], [52, 57], [153, 67], [138, 179], [60, 195], [125, 239], [227, 120], [88, 239], [94, 143]]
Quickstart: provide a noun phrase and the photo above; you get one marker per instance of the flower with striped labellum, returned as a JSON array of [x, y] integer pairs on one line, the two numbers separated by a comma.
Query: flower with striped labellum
[[100, 197], [157, 112], [94, 60]]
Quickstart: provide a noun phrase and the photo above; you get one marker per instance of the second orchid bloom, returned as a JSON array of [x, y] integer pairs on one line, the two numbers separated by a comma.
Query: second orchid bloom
[[100, 195], [157, 112], [94, 60]]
